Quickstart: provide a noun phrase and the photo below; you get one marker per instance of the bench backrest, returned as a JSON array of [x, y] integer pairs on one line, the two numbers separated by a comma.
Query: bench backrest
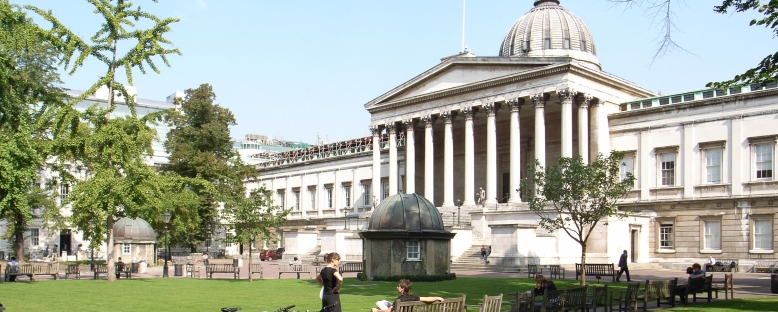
[[491, 303], [294, 268], [447, 305], [525, 301], [101, 268], [350, 267], [696, 284], [660, 289], [598, 297], [72, 268], [255, 267], [228, 268], [566, 299], [765, 264], [596, 268]]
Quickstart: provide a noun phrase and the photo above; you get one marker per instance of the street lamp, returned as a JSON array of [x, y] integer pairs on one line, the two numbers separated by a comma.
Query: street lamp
[[453, 216], [459, 210], [166, 219], [345, 220], [92, 226]]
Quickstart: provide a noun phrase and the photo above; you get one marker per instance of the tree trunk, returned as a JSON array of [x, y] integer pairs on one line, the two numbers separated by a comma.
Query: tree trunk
[[251, 279], [109, 251], [583, 264], [19, 246]]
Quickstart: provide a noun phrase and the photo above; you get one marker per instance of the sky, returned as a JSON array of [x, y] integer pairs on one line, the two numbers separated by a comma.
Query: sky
[[302, 70]]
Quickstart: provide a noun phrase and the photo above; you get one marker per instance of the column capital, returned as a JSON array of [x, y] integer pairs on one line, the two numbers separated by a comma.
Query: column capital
[[540, 100], [583, 99], [375, 130], [391, 127], [490, 109], [408, 124], [468, 112], [515, 104], [566, 95], [428, 121], [447, 117]]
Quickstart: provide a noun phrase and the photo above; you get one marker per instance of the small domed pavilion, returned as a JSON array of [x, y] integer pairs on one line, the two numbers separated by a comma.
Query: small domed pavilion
[[405, 235], [133, 237]]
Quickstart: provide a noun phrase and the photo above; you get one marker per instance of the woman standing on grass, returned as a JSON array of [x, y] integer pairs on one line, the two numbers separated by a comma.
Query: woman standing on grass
[[330, 278]]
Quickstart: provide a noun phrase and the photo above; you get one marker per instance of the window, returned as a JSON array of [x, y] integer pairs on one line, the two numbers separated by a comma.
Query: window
[[713, 158], [229, 236], [547, 43], [297, 200], [567, 43], [208, 241], [668, 169], [329, 197], [384, 190], [347, 194], [312, 195], [64, 190], [763, 155], [34, 237], [526, 45], [711, 234], [414, 250], [627, 165], [126, 249], [583, 45], [366, 198], [763, 232], [281, 197], [666, 236]]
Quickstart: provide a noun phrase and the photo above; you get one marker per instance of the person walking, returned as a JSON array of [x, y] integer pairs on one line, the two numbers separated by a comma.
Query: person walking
[[330, 278], [488, 252], [623, 267], [483, 253]]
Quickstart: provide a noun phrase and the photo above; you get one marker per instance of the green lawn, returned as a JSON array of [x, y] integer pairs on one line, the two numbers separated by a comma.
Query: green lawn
[[177, 294], [734, 305]]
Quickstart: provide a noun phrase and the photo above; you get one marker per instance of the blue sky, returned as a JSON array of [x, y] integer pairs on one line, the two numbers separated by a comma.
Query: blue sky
[[292, 69]]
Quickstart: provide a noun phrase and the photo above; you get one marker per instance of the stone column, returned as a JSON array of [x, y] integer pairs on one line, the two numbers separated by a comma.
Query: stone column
[[686, 159], [336, 189], [540, 127], [375, 185], [303, 197], [645, 164], [583, 126], [736, 155], [515, 106], [320, 193], [429, 160], [410, 158], [599, 129], [566, 98], [448, 160], [491, 154], [355, 189], [392, 159], [468, 113]]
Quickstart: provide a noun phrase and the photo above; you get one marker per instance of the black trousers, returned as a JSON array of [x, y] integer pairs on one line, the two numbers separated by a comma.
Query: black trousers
[[623, 270]]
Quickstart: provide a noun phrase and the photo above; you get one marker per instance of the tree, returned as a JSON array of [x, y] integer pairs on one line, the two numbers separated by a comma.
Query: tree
[[112, 151], [764, 72], [29, 97], [574, 197], [199, 144], [252, 219]]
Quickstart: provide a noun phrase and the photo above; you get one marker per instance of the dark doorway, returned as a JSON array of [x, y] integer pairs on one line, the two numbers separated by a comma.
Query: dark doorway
[[633, 242], [506, 187], [241, 249], [65, 241]]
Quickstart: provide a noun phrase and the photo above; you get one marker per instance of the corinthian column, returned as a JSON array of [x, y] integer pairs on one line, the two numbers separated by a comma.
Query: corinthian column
[[469, 157], [376, 184], [410, 158], [392, 159], [566, 97], [429, 160], [491, 154], [583, 127], [540, 128], [448, 161], [515, 156]]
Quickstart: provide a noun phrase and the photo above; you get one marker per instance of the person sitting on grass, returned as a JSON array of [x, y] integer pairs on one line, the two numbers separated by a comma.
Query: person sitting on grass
[[404, 288]]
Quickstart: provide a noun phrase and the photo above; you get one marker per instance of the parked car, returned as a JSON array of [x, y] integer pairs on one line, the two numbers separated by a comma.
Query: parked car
[[270, 255]]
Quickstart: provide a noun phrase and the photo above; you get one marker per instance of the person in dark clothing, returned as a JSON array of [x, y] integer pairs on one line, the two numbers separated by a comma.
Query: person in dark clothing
[[623, 267], [541, 284], [119, 268], [404, 288], [330, 278]]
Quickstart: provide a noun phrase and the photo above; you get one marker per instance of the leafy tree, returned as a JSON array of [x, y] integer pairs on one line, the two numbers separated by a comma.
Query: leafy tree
[[252, 219], [574, 197], [199, 144], [29, 97], [764, 72], [112, 150]]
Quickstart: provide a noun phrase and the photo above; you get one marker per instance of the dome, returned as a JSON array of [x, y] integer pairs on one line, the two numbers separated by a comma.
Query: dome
[[550, 30], [406, 213], [128, 230]]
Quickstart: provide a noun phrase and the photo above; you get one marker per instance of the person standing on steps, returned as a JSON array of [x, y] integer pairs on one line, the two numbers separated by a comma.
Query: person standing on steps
[[483, 253], [488, 252], [623, 267]]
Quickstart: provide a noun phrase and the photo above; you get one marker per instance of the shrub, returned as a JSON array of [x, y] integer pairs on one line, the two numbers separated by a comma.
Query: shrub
[[362, 276]]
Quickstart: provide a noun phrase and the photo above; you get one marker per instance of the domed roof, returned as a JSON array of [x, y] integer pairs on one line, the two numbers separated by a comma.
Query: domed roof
[[550, 30], [407, 213], [128, 230]]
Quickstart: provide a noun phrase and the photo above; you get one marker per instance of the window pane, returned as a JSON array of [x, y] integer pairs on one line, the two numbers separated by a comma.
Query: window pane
[[34, 237], [713, 165], [413, 250], [627, 166], [329, 198], [347, 191], [712, 235], [763, 234], [763, 154], [666, 236], [297, 200], [668, 169]]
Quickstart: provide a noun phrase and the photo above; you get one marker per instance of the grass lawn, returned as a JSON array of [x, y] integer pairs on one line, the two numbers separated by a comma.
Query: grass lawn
[[179, 294], [734, 305]]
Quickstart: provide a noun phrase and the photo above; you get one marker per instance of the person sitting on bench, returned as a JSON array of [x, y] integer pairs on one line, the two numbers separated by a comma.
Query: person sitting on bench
[[695, 271], [404, 288]]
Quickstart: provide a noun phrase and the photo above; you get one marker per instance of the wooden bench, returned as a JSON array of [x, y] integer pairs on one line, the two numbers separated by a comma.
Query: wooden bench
[[100, 268], [658, 290], [295, 268], [350, 267], [523, 302], [533, 269], [555, 271], [766, 266], [32, 269], [448, 305], [564, 300], [728, 287], [192, 270], [210, 269], [596, 269], [256, 268], [126, 269], [697, 286], [73, 269], [722, 265]]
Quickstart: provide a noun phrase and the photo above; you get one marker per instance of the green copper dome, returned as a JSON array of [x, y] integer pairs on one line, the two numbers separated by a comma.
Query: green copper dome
[[406, 212]]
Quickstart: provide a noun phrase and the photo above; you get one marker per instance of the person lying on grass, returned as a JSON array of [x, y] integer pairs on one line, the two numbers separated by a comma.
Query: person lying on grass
[[404, 288]]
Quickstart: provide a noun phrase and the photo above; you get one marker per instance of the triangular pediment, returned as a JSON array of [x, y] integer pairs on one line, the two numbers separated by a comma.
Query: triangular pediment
[[458, 72]]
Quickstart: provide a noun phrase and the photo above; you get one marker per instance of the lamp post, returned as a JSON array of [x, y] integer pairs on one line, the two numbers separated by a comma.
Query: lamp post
[[92, 226], [166, 219], [453, 216], [345, 219], [459, 210]]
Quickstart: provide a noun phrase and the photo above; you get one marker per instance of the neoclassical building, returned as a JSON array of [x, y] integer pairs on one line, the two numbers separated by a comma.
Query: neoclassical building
[[704, 160]]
